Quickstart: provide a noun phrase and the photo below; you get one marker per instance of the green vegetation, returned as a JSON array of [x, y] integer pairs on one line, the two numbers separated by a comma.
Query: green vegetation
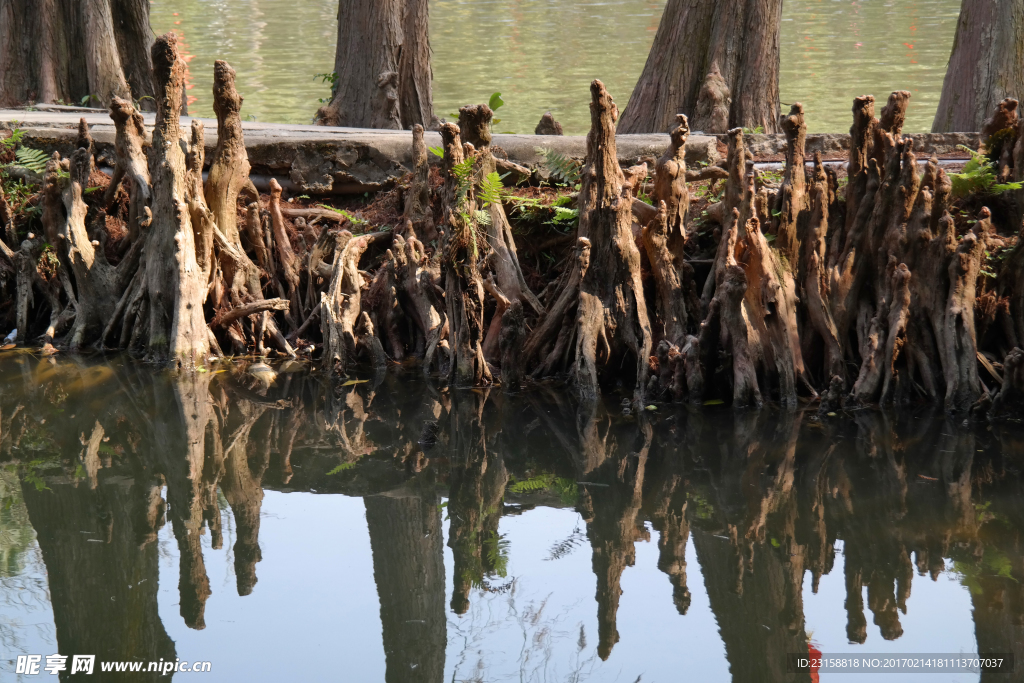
[[567, 489], [561, 169], [978, 176]]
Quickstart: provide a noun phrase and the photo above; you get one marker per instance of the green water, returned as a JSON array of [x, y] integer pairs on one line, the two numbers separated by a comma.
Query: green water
[[542, 54]]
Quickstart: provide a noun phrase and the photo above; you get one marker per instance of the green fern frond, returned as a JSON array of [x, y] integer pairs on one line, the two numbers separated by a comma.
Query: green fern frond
[[352, 218], [341, 468], [482, 217], [490, 189], [535, 483], [978, 176], [463, 172], [560, 168], [564, 215], [32, 159]]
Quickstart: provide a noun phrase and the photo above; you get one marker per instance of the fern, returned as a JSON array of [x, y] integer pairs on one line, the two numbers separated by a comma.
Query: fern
[[352, 218], [533, 484], [32, 159], [978, 176], [565, 547], [437, 151], [566, 488], [560, 168], [341, 468], [463, 172], [564, 215], [496, 552], [482, 217], [490, 189]]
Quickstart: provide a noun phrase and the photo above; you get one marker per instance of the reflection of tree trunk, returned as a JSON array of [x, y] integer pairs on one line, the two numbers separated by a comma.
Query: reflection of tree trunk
[[754, 577], [611, 511], [408, 567], [245, 462], [754, 625], [103, 586], [668, 517], [179, 445], [476, 495]]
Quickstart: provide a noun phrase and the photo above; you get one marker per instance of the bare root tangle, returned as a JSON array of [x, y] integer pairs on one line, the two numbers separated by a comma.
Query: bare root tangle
[[882, 292], [340, 307], [460, 252]]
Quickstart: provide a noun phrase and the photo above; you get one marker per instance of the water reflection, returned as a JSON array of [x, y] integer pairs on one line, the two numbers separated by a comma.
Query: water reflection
[[102, 456]]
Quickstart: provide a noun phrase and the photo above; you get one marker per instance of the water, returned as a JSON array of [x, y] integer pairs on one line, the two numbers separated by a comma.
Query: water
[[389, 530], [542, 54]]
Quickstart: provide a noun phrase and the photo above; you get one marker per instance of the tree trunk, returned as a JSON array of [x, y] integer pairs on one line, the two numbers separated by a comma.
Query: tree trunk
[[718, 62], [985, 66], [73, 51], [134, 36], [382, 66]]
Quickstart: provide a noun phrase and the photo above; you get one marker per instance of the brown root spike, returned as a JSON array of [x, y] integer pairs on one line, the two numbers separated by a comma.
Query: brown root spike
[[177, 327], [547, 125], [612, 322]]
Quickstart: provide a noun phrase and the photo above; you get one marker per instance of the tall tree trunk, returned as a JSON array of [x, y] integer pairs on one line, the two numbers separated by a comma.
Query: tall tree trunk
[[716, 62], [382, 64], [985, 66], [134, 36], [70, 50]]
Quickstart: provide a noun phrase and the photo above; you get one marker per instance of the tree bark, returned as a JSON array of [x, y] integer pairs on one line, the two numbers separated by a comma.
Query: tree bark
[[611, 323], [707, 57], [985, 66], [382, 66], [177, 326], [69, 51]]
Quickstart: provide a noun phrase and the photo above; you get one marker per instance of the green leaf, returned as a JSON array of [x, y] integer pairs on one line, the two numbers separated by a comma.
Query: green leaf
[[31, 159], [341, 468], [490, 189], [560, 168], [495, 102], [437, 151], [714, 402]]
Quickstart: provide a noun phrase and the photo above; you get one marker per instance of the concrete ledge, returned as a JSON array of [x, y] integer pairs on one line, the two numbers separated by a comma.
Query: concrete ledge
[[325, 160], [319, 159], [832, 144]]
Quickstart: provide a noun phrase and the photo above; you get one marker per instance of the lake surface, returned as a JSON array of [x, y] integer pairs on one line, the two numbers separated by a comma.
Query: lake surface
[[286, 529], [542, 54]]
